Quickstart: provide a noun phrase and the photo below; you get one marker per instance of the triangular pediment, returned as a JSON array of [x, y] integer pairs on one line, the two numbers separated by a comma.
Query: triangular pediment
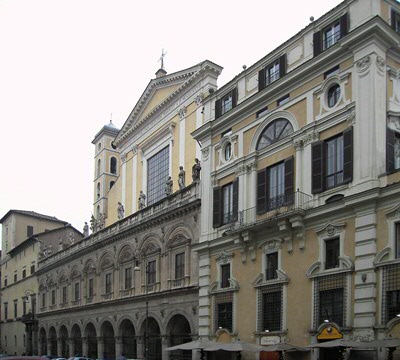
[[160, 95]]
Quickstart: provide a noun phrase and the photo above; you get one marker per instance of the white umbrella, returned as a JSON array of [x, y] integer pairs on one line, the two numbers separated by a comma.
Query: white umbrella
[[193, 345], [284, 347], [235, 346]]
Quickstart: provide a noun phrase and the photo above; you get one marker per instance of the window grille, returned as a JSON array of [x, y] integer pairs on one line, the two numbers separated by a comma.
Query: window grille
[[223, 311], [157, 175], [270, 307], [330, 294], [390, 292]]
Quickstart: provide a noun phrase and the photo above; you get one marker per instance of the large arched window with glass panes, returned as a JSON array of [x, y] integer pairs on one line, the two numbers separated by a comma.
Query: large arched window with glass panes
[[275, 131]]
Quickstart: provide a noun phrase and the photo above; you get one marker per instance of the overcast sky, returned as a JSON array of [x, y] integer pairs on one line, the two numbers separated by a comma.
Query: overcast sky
[[66, 65]]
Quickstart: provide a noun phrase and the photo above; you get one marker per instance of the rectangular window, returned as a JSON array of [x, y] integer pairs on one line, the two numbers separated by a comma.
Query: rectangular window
[[331, 306], [395, 20], [29, 231], [157, 175], [330, 35], [225, 275], [275, 186], [15, 309], [32, 269], [272, 72], [108, 283], [24, 301], [76, 292], [90, 288], [151, 274], [128, 278], [272, 266], [392, 304], [390, 293], [330, 72], [64, 294], [332, 162], [43, 299], [226, 103], [397, 239], [271, 308], [53, 297], [283, 100], [5, 282], [225, 316], [5, 311], [332, 253], [225, 204], [24, 274], [15, 277], [180, 266]]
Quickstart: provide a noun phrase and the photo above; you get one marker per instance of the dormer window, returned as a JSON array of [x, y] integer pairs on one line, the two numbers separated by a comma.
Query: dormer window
[[272, 72], [330, 34], [225, 103]]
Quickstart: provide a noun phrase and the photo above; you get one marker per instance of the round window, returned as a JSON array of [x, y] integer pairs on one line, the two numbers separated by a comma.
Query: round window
[[333, 95], [228, 151]]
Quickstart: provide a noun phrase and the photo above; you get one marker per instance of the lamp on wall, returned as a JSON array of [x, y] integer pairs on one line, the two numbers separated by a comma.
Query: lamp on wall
[[139, 256]]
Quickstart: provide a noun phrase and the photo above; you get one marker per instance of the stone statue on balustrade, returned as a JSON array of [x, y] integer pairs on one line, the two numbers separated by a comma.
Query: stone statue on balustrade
[[181, 178], [142, 200], [168, 186], [196, 168], [120, 211]]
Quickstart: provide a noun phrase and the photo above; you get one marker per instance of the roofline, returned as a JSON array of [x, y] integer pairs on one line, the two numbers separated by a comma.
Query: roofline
[[35, 215]]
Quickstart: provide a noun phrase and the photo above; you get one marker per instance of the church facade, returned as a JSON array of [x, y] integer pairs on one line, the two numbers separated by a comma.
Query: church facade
[[131, 286]]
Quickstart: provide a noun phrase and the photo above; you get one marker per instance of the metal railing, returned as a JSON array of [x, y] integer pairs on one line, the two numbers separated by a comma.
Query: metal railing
[[276, 206]]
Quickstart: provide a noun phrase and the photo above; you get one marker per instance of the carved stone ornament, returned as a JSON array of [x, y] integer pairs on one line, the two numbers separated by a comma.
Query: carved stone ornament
[[134, 149], [199, 99], [363, 64], [205, 152], [330, 229], [240, 170], [224, 257], [351, 118], [124, 156], [182, 112], [214, 181], [380, 63], [394, 123]]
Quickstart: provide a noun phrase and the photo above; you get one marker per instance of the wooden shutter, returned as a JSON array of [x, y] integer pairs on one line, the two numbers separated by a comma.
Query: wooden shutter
[[289, 177], [235, 199], [217, 203], [390, 139], [317, 43], [393, 19], [317, 167], [348, 155], [262, 191], [344, 25], [218, 104], [261, 79], [234, 97], [282, 66]]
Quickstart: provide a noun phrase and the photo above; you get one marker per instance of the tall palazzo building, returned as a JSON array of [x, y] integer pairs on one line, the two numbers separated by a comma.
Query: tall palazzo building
[[300, 239], [131, 287]]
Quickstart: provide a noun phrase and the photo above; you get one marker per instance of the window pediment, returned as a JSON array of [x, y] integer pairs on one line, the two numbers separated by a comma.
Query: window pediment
[[224, 257], [260, 279], [214, 286]]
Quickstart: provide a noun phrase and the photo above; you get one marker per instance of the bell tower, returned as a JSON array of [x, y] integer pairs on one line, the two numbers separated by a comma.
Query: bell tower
[[106, 167]]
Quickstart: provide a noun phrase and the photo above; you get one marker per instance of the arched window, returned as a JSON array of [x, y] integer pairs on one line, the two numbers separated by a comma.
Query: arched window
[[98, 211], [98, 167], [276, 130], [113, 165], [98, 191]]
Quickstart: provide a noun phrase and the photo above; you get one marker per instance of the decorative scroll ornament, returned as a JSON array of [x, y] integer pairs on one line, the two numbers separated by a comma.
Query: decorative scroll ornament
[[351, 118], [134, 149], [380, 63], [182, 113], [199, 99], [205, 152], [123, 157], [363, 64]]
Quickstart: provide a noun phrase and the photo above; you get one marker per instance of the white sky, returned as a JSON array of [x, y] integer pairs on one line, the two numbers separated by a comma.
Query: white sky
[[66, 65]]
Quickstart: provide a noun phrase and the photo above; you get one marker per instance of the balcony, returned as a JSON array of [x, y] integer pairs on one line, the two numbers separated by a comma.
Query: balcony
[[277, 208]]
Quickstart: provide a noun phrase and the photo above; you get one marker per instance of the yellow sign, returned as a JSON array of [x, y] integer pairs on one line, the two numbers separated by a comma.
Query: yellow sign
[[329, 333]]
